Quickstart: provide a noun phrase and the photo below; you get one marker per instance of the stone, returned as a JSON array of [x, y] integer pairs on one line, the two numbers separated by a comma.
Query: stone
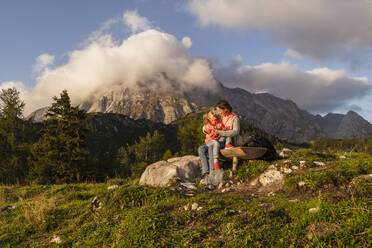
[[302, 163], [294, 167], [343, 157], [271, 178], [286, 170], [270, 194], [272, 167], [189, 185], [214, 178], [254, 182], [285, 153], [96, 204], [115, 186], [225, 190], [313, 210], [220, 186], [211, 187], [158, 174], [194, 206], [294, 200], [56, 239], [9, 208], [227, 185], [301, 183], [317, 163]]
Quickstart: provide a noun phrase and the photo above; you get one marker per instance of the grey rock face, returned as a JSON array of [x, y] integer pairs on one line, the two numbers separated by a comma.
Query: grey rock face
[[273, 115], [158, 174]]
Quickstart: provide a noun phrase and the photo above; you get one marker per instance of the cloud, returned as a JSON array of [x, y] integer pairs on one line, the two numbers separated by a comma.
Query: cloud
[[318, 29], [150, 58], [320, 90], [136, 22], [43, 61]]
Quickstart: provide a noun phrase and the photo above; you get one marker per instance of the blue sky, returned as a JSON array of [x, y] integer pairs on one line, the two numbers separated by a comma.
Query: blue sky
[[32, 28]]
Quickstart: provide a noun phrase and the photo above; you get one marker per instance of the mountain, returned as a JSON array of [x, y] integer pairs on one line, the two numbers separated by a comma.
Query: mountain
[[342, 126], [279, 117]]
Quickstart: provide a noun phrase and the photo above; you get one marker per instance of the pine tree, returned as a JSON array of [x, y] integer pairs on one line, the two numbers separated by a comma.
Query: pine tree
[[15, 137], [61, 156], [190, 137]]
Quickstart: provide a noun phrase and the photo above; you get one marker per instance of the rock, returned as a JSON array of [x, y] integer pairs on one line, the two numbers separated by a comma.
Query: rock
[[287, 161], [342, 157], [238, 183], [115, 186], [317, 163], [313, 210], [211, 187], [220, 186], [286, 170], [225, 190], [285, 153], [189, 185], [271, 178], [302, 163], [294, 167], [158, 174], [272, 167], [254, 182], [187, 207], [294, 200], [199, 208], [301, 183], [214, 178], [6, 209], [227, 185], [56, 239], [194, 206], [270, 194], [96, 204]]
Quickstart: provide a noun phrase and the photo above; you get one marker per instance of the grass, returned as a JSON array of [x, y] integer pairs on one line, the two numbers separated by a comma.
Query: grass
[[141, 216]]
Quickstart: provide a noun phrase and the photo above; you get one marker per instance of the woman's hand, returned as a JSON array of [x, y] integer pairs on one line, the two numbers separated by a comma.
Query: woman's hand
[[215, 133]]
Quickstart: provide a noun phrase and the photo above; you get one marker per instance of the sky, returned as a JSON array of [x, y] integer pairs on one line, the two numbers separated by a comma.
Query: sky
[[316, 53]]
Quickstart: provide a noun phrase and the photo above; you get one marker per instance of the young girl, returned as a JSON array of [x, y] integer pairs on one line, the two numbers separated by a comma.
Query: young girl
[[211, 125]]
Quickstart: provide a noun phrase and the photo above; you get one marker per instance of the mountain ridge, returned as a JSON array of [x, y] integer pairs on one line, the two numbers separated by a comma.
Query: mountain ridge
[[279, 117]]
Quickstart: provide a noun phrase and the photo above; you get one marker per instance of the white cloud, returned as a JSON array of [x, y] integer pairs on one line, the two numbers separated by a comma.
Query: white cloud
[[43, 61], [136, 22], [152, 57], [319, 29], [319, 90]]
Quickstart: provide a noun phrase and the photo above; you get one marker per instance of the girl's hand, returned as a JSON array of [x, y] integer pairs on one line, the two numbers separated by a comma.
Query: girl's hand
[[215, 133]]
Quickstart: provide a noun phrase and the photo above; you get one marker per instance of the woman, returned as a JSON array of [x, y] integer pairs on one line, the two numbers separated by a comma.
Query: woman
[[232, 128]]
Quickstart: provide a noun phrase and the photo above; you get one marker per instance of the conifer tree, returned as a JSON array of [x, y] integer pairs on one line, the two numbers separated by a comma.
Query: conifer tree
[[15, 135], [61, 156]]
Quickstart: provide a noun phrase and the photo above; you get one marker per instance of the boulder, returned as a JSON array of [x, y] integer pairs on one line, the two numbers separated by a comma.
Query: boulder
[[186, 168], [271, 178], [285, 153]]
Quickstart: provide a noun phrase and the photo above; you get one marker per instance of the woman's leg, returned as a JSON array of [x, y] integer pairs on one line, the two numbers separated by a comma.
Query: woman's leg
[[203, 158]]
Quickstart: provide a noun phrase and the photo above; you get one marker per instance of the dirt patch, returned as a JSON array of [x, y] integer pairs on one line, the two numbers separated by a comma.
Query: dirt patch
[[321, 229]]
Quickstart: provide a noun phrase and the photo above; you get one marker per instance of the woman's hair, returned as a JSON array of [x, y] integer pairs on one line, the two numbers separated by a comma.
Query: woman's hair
[[223, 104]]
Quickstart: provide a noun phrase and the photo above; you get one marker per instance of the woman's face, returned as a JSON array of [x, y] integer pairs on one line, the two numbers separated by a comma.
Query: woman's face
[[221, 111]]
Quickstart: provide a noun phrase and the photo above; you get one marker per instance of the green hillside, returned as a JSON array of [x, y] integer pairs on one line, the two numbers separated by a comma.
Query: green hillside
[[140, 216]]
